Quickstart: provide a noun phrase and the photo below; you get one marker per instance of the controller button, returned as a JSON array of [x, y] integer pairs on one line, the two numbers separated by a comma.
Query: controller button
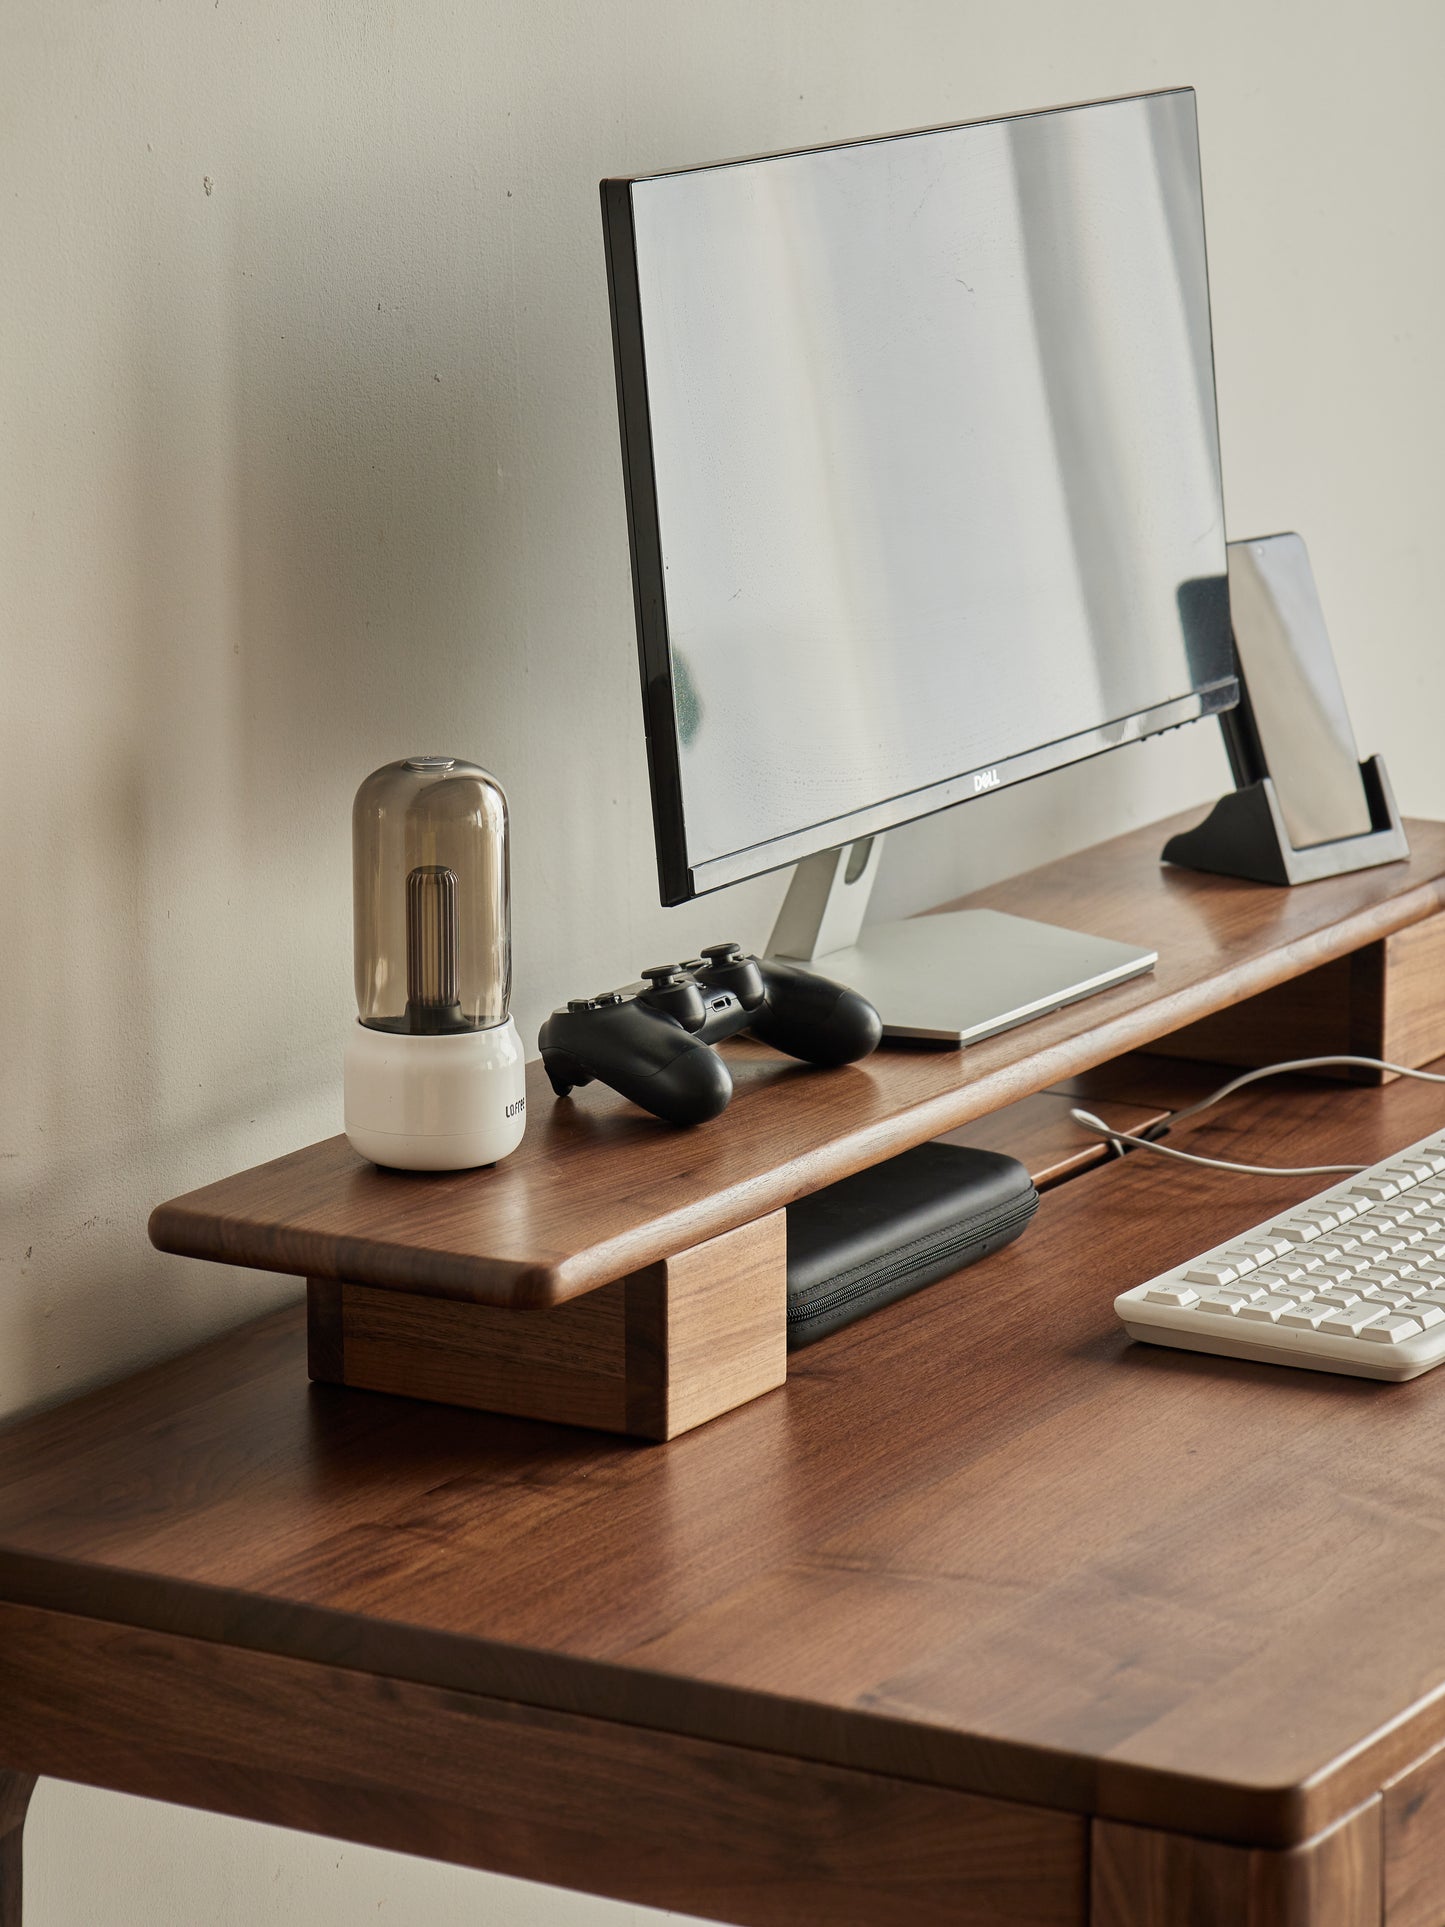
[[581, 1003], [609, 997]]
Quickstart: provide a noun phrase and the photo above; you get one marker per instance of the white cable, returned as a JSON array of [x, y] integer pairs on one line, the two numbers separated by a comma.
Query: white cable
[[1293, 1064], [1111, 1136], [1119, 1138]]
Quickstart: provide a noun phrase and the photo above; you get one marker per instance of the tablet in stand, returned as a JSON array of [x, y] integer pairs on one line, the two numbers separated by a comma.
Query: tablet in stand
[[1304, 807]]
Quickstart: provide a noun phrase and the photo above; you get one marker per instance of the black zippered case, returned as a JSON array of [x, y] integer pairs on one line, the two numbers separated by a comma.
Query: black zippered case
[[877, 1236]]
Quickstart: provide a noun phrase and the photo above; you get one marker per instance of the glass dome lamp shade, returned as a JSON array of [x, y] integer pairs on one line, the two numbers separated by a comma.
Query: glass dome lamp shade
[[431, 898]]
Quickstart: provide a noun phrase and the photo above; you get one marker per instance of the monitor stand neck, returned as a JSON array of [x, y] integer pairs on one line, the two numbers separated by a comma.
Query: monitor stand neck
[[824, 908], [951, 978]]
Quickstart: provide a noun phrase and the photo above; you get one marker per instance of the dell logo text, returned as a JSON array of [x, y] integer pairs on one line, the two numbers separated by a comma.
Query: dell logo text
[[986, 779]]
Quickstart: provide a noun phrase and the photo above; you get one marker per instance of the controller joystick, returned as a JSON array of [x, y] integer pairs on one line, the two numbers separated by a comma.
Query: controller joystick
[[652, 1044], [672, 989]]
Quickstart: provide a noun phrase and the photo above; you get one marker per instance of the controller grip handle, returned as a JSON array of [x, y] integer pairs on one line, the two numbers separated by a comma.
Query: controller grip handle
[[695, 1087], [643, 1056], [814, 1019]]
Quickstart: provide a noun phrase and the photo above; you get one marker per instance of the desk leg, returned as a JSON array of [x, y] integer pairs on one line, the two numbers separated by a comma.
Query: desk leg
[[15, 1792], [1143, 1878]]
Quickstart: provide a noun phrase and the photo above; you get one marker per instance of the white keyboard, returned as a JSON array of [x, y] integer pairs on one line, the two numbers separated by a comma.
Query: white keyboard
[[1350, 1281]]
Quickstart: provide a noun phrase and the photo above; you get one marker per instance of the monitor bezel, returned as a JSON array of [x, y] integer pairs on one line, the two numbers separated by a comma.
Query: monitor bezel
[[680, 880]]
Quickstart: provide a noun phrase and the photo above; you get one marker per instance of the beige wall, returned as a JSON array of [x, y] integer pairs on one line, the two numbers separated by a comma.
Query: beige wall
[[310, 460]]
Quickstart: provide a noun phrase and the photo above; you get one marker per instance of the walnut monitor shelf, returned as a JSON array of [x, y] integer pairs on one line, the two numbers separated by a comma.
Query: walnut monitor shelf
[[603, 1199]]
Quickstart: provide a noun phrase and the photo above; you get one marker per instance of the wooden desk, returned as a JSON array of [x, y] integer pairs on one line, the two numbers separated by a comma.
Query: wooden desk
[[985, 1616]]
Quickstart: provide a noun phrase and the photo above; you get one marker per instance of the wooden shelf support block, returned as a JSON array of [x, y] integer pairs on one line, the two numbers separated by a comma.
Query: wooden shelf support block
[[1141, 1877], [652, 1354], [1382, 1000]]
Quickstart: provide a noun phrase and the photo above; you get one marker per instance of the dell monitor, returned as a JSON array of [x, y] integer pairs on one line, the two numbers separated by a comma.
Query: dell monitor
[[923, 481]]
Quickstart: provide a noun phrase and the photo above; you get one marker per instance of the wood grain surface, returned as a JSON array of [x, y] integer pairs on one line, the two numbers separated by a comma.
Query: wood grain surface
[[652, 1355], [593, 1805], [598, 1189], [1414, 1844], [978, 1540], [1380, 1001], [1141, 1878], [15, 1792]]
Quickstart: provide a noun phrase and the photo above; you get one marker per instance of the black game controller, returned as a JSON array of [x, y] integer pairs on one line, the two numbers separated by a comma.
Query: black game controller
[[652, 1044]]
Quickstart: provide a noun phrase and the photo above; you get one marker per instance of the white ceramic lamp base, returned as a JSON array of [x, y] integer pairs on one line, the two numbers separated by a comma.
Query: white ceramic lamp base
[[435, 1103]]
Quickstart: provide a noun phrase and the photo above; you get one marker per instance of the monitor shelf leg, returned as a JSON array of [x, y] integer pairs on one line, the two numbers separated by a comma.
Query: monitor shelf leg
[[652, 1354]]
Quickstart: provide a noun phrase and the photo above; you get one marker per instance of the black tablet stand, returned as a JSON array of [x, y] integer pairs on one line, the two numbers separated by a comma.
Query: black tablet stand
[[1244, 835]]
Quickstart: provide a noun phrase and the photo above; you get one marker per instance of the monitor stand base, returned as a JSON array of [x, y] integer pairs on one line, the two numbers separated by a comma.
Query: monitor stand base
[[951, 978]]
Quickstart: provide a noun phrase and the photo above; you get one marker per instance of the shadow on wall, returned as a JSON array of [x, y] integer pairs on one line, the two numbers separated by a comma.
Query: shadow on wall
[[327, 550]]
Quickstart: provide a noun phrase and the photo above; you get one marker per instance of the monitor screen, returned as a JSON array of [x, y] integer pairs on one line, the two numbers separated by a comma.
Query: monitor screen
[[923, 471]]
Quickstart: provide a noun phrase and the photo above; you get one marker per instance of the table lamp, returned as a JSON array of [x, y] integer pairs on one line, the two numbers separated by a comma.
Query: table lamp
[[434, 1074]]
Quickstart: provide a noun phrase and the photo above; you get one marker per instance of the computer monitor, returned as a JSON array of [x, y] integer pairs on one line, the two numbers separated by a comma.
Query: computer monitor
[[923, 479]]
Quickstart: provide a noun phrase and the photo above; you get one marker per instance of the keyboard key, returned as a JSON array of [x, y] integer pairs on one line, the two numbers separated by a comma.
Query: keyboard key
[[1374, 1189], [1425, 1315], [1356, 1319], [1381, 1244], [1309, 1317], [1359, 1259], [1333, 1246], [1341, 1297], [1295, 1231], [1221, 1305], [1284, 1271], [1392, 1330], [1301, 1294], [1266, 1309], [1400, 1267], [1171, 1295], [1262, 1246], [1328, 1216], [1212, 1271], [1434, 1296], [1388, 1217], [1326, 1275], [1382, 1290]]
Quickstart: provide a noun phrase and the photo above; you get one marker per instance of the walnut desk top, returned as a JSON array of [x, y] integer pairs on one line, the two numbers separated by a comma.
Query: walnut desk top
[[985, 1615]]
